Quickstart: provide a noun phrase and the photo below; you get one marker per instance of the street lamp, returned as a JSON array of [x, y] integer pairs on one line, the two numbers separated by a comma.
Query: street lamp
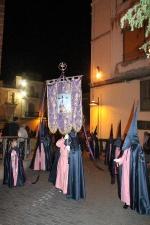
[[93, 103], [98, 72]]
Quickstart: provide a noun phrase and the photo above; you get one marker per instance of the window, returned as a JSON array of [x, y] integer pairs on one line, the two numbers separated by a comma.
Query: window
[[32, 90], [145, 95], [132, 41], [31, 109], [143, 125]]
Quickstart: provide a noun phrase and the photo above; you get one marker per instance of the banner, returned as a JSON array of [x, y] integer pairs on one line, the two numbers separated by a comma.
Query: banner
[[64, 102]]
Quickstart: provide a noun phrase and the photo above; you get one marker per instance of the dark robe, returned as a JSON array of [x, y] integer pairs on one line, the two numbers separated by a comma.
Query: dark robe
[[139, 184], [112, 164], [8, 172], [109, 144], [94, 146], [48, 149], [6, 165], [76, 185], [53, 172]]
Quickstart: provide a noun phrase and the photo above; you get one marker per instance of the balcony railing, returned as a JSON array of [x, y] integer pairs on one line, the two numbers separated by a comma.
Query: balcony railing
[[29, 145], [31, 114], [11, 101]]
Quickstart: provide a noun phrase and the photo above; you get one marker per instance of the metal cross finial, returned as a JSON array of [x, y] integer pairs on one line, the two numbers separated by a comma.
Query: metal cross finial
[[62, 66]]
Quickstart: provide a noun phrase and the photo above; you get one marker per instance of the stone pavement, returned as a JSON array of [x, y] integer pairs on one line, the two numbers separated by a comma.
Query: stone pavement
[[41, 203]]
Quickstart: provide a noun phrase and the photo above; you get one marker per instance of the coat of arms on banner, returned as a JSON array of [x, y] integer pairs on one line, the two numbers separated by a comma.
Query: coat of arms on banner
[[64, 101]]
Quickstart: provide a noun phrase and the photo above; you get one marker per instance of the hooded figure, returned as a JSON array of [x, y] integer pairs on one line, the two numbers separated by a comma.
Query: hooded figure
[[76, 183], [13, 166], [94, 144], [62, 166], [115, 153], [44, 153], [109, 147], [134, 178]]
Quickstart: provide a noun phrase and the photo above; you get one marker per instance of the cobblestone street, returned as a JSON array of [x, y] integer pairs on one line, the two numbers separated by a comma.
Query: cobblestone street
[[41, 203]]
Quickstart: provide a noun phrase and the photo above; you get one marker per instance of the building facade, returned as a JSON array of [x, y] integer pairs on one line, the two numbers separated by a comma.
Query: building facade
[[124, 70], [22, 99]]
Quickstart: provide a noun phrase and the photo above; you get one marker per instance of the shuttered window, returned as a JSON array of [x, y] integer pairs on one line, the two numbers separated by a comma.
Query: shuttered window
[[132, 41], [145, 95]]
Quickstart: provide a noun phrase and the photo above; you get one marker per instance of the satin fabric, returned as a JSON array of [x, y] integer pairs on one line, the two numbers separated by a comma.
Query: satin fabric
[[76, 183], [94, 146], [138, 180], [139, 184], [43, 156], [115, 152], [39, 163], [6, 166], [125, 181], [14, 162], [62, 167], [108, 152], [8, 169], [53, 172]]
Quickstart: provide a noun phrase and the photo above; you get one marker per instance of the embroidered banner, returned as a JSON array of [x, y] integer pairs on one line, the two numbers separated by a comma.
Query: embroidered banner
[[64, 103]]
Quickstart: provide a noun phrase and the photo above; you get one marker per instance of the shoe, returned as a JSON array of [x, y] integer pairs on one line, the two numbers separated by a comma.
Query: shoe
[[125, 206]]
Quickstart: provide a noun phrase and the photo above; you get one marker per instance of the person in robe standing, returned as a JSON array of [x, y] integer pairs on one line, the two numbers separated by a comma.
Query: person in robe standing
[[62, 166], [115, 153], [94, 144], [109, 145], [76, 183], [134, 180], [44, 153], [13, 166]]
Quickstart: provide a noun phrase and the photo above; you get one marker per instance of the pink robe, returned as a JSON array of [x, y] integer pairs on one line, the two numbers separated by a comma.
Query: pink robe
[[125, 181], [14, 163], [39, 163], [62, 167]]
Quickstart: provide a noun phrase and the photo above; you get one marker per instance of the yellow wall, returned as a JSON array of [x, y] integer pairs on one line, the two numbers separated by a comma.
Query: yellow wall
[[115, 104]]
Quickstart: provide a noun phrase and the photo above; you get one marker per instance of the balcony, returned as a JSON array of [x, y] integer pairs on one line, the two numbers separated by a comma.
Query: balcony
[[11, 101], [31, 114]]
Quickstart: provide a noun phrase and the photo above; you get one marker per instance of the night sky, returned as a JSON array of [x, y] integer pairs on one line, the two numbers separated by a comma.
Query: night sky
[[39, 34]]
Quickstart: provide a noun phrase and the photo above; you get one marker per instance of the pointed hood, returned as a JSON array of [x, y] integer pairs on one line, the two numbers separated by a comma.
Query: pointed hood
[[111, 134], [111, 131], [132, 135], [95, 131], [118, 140], [119, 130], [129, 121]]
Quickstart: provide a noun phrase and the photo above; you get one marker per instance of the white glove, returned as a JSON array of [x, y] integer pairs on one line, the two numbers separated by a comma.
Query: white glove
[[117, 160], [66, 136], [68, 148]]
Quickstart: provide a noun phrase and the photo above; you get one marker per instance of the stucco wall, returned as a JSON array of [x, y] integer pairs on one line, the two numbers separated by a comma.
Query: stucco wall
[[115, 104]]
